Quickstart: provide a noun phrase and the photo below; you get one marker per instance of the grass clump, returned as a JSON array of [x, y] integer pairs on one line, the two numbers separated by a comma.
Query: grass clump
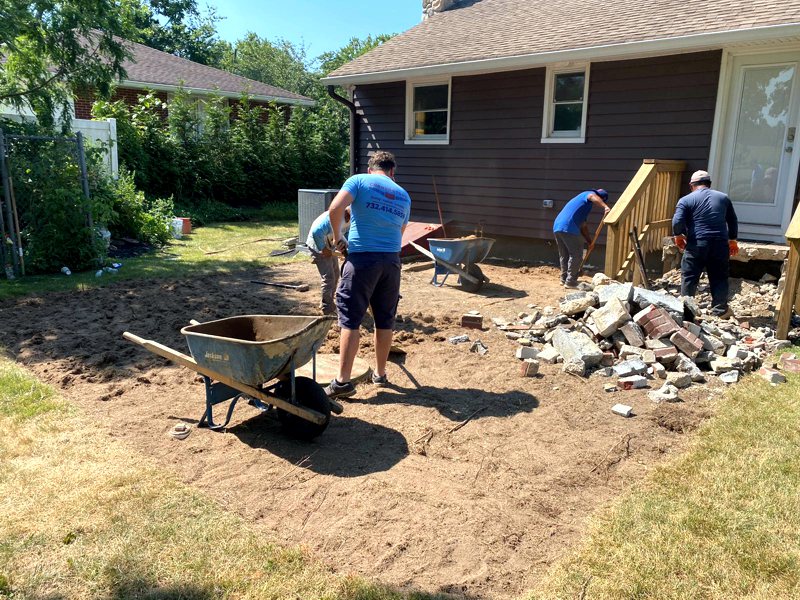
[[721, 521], [23, 397]]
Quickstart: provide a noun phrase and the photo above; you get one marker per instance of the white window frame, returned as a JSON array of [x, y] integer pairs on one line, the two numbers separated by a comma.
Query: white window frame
[[548, 137], [411, 84]]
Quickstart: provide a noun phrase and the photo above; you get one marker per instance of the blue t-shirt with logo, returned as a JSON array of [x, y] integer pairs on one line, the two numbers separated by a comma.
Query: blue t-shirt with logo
[[379, 211], [574, 214]]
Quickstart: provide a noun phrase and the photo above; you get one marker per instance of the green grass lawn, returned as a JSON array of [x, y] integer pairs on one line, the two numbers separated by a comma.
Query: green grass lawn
[[239, 243], [721, 521]]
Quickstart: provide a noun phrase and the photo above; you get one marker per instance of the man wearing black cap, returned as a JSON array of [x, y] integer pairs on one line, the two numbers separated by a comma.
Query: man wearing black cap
[[568, 228], [705, 228]]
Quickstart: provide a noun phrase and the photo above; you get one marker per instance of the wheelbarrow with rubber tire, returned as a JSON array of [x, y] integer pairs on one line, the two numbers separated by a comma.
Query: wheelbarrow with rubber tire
[[254, 357]]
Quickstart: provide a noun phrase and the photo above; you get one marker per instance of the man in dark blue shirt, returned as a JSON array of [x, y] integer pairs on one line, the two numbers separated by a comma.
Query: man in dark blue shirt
[[706, 228]]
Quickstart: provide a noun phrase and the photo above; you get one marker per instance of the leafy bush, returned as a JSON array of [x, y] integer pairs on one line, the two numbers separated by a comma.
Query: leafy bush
[[134, 215], [238, 153], [54, 214]]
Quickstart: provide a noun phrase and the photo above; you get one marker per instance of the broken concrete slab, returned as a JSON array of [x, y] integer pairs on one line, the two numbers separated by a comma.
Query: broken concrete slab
[[621, 291], [610, 317], [574, 304], [634, 334], [666, 393], [630, 367], [548, 354], [729, 377], [577, 345], [723, 364], [627, 352], [574, 366], [679, 380], [525, 353], [645, 298]]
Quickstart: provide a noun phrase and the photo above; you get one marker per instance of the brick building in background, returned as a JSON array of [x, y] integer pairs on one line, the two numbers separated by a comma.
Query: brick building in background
[[163, 73]]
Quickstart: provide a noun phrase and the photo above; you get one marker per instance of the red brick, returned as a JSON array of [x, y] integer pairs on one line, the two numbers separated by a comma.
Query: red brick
[[472, 321], [656, 322], [665, 355], [791, 365], [687, 342]]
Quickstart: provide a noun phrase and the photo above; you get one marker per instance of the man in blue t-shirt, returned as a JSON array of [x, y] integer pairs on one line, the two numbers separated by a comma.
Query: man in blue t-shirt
[[705, 228], [570, 226], [380, 210], [320, 244]]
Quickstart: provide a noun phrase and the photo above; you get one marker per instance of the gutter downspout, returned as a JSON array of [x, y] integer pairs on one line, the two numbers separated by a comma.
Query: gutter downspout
[[354, 127]]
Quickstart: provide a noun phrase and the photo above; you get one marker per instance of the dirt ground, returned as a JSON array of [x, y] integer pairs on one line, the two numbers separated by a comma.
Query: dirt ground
[[392, 490]]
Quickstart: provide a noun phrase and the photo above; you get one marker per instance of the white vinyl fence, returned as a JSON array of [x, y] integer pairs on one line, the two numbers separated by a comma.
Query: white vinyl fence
[[101, 134]]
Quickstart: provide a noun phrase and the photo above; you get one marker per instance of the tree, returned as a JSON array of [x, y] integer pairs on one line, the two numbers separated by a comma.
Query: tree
[[174, 26], [278, 63], [53, 48], [330, 61]]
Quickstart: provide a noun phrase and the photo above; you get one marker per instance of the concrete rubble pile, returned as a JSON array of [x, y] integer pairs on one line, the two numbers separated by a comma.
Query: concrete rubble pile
[[650, 338]]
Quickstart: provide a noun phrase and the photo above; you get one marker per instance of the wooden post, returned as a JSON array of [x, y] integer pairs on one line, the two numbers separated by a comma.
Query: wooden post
[[84, 177], [790, 290], [9, 216]]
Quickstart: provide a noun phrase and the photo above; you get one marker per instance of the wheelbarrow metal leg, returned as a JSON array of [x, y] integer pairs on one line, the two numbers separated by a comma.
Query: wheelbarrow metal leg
[[216, 393]]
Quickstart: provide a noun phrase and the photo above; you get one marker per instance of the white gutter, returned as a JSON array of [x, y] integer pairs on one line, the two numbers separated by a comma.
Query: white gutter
[[162, 87], [694, 42]]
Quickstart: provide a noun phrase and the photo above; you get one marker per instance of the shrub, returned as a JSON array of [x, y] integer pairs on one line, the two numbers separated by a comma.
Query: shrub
[[134, 215], [54, 214], [237, 153]]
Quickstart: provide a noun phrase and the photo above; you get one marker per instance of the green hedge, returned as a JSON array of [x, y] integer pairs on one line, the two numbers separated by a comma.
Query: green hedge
[[210, 151]]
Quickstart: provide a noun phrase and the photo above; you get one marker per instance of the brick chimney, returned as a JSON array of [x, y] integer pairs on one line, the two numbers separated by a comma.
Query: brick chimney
[[431, 7]]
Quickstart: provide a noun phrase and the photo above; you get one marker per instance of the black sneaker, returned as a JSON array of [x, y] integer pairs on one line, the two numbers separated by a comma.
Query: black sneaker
[[380, 380], [340, 390]]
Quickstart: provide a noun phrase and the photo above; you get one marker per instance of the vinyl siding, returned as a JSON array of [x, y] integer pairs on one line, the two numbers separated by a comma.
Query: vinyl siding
[[495, 168]]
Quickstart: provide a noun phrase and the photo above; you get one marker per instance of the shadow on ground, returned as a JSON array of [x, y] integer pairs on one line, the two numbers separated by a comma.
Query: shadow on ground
[[349, 447]]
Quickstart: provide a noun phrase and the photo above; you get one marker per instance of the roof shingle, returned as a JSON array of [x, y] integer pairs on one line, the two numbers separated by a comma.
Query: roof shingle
[[495, 29], [154, 67]]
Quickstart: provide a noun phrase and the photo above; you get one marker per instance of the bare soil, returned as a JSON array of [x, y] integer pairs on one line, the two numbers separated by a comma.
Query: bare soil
[[393, 490]]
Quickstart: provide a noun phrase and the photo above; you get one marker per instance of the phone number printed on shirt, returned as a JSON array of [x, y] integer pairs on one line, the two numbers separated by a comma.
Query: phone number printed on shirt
[[395, 211]]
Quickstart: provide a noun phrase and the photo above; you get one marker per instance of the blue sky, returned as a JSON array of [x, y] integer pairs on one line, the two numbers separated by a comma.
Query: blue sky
[[321, 25]]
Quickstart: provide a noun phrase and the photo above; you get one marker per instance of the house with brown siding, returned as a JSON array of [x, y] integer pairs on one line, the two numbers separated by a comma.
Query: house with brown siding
[[163, 73], [515, 106]]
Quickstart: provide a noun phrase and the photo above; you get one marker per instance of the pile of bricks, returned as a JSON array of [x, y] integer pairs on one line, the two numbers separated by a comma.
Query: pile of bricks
[[644, 338]]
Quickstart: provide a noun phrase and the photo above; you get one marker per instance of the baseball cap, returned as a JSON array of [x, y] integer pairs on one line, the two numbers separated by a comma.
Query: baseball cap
[[602, 193], [698, 176]]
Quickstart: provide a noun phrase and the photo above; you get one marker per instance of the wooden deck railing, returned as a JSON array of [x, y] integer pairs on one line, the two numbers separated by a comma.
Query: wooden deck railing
[[648, 204], [790, 299]]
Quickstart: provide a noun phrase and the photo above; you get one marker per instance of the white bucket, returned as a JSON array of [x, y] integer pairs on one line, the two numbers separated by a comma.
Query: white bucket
[[177, 228]]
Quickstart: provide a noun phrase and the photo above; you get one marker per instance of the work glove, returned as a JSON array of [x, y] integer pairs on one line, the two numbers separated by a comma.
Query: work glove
[[733, 248], [680, 242]]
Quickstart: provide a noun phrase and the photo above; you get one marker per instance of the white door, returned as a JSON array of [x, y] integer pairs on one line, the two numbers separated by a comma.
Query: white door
[[758, 169]]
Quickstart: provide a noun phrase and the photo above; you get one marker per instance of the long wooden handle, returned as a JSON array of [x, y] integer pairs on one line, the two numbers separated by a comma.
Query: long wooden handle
[[190, 363], [594, 240], [451, 266]]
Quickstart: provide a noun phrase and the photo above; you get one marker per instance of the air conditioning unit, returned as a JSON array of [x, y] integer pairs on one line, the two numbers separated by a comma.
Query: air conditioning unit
[[310, 205]]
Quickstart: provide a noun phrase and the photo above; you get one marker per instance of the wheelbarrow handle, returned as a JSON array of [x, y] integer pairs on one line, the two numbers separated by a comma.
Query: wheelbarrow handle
[[190, 363], [454, 268]]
